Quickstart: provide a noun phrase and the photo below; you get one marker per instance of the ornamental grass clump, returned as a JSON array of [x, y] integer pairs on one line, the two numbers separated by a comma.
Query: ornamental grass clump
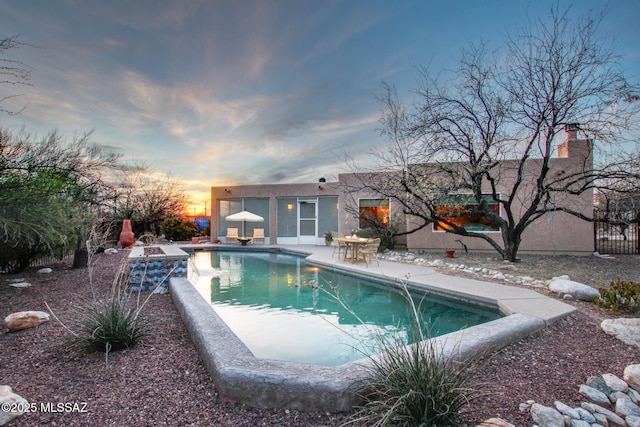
[[415, 385], [111, 322], [111, 325]]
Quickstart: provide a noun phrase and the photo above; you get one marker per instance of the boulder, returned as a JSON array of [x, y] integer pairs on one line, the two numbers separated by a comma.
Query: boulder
[[546, 416], [566, 410], [20, 285], [577, 290], [25, 319], [615, 383], [7, 396], [632, 376], [599, 384], [495, 422], [626, 330], [586, 415], [625, 407], [594, 396], [612, 419], [632, 421]]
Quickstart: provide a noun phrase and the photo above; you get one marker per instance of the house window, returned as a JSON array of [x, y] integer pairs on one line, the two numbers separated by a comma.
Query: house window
[[461, 210], [373, 211]]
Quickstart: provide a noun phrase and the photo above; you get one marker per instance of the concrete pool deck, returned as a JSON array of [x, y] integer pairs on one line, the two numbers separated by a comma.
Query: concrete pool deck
[[240, 376]]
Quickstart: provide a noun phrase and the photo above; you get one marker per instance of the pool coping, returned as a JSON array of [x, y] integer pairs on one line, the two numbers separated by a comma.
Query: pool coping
[[265, 383]]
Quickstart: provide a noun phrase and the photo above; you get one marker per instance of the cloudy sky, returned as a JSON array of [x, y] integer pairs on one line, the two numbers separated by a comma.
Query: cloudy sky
[[222, 92]]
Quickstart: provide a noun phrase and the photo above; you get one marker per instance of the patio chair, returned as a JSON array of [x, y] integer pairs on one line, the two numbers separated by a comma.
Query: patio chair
[[232, 233], [337, 246], [370, 251], [258, 234]]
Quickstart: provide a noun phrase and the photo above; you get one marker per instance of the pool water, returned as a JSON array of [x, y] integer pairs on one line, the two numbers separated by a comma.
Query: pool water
[[283, 308]]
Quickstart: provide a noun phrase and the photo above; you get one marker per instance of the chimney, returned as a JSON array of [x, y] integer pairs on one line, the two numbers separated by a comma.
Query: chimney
[[572, 131], [572, 135]]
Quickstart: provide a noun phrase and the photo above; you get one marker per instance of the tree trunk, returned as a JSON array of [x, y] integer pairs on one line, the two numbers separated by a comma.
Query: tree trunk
[[511, 246], [80, 258]]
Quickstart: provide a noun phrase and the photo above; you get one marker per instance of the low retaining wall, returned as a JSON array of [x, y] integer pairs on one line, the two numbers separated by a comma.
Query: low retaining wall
[[151, 267]]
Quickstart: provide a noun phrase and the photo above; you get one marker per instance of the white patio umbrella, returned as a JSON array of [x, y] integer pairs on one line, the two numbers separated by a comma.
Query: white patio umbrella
[[244, 216]]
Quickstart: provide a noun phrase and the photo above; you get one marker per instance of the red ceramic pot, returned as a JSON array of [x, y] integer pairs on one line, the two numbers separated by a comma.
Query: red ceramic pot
[[126, 235]]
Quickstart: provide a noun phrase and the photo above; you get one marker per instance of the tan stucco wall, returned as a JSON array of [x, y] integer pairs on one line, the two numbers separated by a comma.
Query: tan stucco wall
[[553, 233], [271, 192]]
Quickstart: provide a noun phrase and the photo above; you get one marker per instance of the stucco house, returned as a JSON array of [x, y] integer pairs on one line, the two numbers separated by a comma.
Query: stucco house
[[303, 213]]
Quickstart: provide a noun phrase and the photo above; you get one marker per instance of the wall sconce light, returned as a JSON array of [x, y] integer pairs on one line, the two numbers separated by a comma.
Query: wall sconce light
[[227, 191], [290, 206], [320, 187]]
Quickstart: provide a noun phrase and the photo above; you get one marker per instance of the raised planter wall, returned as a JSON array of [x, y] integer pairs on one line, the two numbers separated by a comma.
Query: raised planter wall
[[147, 272]]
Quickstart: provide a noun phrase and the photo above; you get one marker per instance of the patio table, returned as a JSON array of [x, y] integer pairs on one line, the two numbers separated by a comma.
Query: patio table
[[352, 246]]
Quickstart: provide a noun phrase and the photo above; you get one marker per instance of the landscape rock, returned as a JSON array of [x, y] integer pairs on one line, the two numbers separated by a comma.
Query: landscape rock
[[7, 396], [601, 419], [615, 383], [632, 376], [626, 330], [632, 421], [111, 251], [20, 284], [545, 416], [585, 415], [613, 419], [614, 396], [594, 396], [45, 270], [625, 407], [566, 410], [599, 384], [579, 291], [25, 319], [495, 422]]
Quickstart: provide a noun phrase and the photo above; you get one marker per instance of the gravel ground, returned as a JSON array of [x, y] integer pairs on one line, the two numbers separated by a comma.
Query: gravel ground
[[163, 381], [594, 271]]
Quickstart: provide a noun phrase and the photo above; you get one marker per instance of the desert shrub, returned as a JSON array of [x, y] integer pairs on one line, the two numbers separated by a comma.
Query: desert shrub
[[620, 297], [178, 229], [111, 325], [415, 385], [114, 322]]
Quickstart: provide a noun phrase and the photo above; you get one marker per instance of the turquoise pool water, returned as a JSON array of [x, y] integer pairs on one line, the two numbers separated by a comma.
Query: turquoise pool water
[[285, 309]]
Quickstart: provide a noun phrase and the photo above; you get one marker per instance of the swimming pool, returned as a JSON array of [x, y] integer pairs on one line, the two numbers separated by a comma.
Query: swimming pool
[[267, 383], [283, 308]]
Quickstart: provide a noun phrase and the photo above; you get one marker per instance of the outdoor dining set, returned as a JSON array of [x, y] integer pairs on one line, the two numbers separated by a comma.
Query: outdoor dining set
[[355, 249]]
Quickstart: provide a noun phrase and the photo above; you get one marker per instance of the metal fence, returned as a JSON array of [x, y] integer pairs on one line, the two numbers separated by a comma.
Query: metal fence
[[617, 239], [51, 259]]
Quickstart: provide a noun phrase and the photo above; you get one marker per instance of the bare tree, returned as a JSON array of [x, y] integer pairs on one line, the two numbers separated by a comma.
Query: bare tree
[[146, 198], [486, 138], [12, 72]]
